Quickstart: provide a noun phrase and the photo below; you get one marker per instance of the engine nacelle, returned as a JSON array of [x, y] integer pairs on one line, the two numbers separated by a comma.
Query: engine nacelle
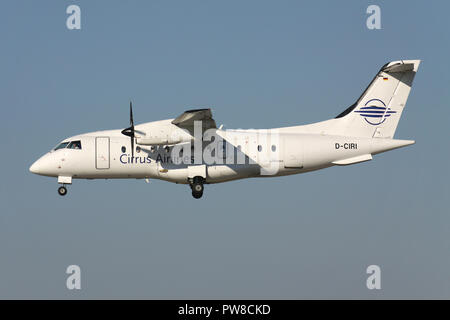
[[165, 137]]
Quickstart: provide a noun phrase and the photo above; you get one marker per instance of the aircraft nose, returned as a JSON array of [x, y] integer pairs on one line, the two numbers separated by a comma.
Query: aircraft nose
[[45, 166], [35, 167]]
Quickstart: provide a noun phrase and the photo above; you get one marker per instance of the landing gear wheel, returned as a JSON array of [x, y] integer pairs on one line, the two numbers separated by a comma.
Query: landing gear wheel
[[197, 187], [197, 190], [197, 195], [62, 191]]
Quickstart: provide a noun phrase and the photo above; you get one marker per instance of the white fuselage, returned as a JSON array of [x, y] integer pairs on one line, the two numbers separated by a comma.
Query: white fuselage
[[262, 153]]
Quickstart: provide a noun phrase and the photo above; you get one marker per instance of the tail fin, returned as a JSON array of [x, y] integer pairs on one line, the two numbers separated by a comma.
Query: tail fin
[[377, 112]]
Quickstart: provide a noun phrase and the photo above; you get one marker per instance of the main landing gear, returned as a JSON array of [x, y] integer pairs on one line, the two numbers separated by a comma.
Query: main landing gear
[[62, 191], [197, 187]]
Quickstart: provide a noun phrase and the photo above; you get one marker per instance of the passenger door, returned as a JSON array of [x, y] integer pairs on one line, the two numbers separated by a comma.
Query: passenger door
[[102, 152], [293, 152]]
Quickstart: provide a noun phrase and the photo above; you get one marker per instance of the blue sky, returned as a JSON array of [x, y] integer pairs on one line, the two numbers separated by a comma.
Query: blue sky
[[257, 64]]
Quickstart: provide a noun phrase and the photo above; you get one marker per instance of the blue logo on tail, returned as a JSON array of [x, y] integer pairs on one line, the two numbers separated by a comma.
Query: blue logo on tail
[[375, 112]]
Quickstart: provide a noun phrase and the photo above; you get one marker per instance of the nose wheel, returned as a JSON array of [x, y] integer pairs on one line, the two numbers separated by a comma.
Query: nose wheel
[[62, 191], [197, 187]]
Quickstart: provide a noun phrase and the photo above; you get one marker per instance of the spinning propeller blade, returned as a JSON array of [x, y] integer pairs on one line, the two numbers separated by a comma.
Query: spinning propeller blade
[[129, 132]]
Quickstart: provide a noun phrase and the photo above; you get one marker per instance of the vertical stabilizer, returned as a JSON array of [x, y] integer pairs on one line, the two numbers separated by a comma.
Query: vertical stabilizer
[[377, 112]]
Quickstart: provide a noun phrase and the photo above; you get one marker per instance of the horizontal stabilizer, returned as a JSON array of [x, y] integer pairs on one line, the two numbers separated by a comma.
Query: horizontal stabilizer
[[399, 67]]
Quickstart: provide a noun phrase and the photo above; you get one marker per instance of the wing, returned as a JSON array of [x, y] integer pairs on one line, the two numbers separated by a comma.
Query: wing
[[186, 120]]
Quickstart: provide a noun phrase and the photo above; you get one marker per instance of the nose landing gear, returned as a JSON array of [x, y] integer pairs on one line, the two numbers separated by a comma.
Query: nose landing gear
[[62, 191], [64, 180], [197, 187]]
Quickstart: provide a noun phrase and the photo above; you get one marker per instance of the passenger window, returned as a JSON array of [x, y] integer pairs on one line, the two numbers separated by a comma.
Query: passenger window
[[124, 149], [138, 149], [259, 148], [62, 145], [274, 148], [75, 145]]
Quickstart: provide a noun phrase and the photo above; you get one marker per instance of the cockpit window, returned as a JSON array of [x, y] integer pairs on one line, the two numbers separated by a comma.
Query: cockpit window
[[75, 145], [62, 145]]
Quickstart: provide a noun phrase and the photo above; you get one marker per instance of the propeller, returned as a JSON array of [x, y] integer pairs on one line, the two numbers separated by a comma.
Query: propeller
[[130, 130]]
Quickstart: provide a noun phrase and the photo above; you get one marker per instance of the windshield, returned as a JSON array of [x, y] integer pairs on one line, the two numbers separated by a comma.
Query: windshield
[[62, 145], [75, 145]]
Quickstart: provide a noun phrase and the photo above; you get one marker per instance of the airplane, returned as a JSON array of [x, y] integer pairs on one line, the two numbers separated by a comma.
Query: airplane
[[191, 150]]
